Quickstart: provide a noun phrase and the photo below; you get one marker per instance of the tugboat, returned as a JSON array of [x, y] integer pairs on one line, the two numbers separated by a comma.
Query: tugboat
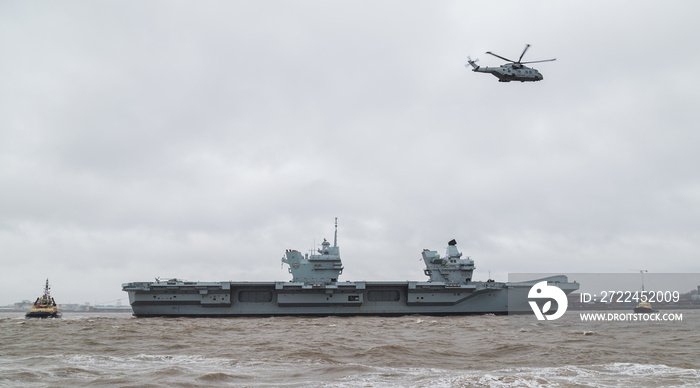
[[643, 307], [44, 306]]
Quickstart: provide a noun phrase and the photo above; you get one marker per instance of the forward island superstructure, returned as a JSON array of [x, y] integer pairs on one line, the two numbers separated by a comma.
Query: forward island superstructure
[[315, 289]]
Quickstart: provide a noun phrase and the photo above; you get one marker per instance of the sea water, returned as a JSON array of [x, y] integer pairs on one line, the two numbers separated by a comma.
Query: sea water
[[118, 350]]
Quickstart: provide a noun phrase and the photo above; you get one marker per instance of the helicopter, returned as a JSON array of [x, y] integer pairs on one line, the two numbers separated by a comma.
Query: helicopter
[[513, 71]]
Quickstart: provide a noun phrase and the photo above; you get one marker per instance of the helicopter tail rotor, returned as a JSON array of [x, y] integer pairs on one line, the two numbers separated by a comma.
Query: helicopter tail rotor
[[472, 63]]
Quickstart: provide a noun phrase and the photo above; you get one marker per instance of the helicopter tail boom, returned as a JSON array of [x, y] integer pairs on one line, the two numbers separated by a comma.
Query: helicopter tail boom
[[472, 63]]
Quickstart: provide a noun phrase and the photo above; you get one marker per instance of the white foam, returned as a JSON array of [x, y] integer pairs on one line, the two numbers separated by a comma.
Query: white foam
[[275, 373]]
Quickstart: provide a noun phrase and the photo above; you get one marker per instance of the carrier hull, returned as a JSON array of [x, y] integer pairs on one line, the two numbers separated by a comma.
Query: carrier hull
[[315, 290], [177, 298]]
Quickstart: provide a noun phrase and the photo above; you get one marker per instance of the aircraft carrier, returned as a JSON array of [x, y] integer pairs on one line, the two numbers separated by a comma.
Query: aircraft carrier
[[315, 290]]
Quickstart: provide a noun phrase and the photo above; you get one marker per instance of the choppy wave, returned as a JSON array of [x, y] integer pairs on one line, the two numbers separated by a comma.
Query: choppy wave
[[199, 371], [486, 351]]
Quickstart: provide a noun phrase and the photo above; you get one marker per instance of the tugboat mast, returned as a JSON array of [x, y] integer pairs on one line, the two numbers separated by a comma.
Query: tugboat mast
[[46, 290], [641, 271]]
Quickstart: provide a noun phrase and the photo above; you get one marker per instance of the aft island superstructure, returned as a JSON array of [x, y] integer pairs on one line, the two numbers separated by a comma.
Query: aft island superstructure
[[315, 289]]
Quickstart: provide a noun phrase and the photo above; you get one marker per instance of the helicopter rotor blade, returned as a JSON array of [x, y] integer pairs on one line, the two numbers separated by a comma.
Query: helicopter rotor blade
[[498, 56], [527, 46], [544, 60]]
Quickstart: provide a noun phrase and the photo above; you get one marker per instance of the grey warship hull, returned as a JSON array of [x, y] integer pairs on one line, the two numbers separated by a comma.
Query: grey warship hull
[[315, 290], [177, 298]]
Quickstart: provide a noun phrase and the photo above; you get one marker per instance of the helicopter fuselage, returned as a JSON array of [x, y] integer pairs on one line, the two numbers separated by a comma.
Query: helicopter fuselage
[[510, 72]]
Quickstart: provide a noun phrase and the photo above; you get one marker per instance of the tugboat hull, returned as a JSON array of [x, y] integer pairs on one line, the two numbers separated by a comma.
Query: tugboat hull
[[644, 308], [43, 314]]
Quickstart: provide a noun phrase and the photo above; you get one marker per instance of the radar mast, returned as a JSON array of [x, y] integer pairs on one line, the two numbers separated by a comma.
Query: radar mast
[[335, 238]]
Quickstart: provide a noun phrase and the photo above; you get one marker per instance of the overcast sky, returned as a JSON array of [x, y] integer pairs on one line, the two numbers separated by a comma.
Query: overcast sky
[[199, 140]]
